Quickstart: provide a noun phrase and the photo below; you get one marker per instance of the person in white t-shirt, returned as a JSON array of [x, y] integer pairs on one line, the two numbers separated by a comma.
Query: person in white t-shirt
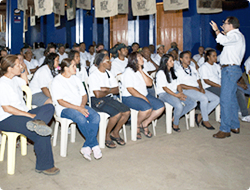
[[32, 64], [39, 85], [210, 72], [196, 57], [91, 55], [70, 100], [170, 91], [160, 53], [118, 64], [16, 117], [81, 72], [49, 49], [84, 56], [174, 53], [135, 95], [61, 52], [149, 65], [102, 87], [188, 78]]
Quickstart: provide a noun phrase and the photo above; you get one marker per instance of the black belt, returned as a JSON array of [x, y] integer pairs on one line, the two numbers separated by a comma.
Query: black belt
[[223, 66]]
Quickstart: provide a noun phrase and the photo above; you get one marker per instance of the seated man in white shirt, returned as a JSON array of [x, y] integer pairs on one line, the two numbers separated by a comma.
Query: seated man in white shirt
[[91, 55], [84, 56], [152, 50], [32, 64], [160, 53], [202, 59], [119, 64], [37, 52], [149, 65], [61, 52], [174, 53], [196, 57]]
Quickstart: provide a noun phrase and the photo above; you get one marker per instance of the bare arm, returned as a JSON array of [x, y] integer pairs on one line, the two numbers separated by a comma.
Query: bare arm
[[72, 106], [186, 87], [32, 71], [135, 93], [46, 92], [105, 91], [14, 111], [201, 87], [207, 81], [147, 79]]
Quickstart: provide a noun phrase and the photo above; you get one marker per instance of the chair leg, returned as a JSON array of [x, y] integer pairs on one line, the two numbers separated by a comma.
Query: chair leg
[[168, 110], [23, 145], [217, 113], [102, 129], [2, 147], [64, 138], [73, 132], [124, 133], [154, 123], [134, 117], [55, 133], [11, 153], [186, 118], [191, 117]]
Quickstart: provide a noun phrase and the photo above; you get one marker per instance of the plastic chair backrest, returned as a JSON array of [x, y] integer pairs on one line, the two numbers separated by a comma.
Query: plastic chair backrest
[[28, 93], [87, 88]]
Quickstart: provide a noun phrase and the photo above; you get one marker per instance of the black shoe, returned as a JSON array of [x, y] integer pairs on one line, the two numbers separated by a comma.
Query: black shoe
[[209, 128]]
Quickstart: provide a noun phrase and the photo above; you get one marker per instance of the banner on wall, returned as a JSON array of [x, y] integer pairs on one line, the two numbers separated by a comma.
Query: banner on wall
[[43, 7], [57, 20], [170, 5], [209, 6], [106, 8], [143, 7], [71, 9], [84, 4], [59, 7], [123, 6], [22, 4], [32, 20]]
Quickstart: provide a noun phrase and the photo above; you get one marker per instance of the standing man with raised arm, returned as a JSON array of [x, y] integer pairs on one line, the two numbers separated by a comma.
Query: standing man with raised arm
[[231, 56]]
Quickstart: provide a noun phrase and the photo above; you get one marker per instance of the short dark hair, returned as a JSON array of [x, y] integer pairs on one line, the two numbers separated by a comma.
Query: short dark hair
[[90, 46], [65, 63], [100, 57], [99, 44], [234, 21], [135, 43]]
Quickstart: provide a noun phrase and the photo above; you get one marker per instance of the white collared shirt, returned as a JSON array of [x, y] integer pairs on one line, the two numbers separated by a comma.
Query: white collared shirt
[[157, 59], [63, 56], [247, 64], [234, 47], [118, 66]]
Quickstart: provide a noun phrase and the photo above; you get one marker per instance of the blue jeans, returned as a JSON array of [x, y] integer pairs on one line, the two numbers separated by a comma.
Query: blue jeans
[[140, 104], [179, 108], [228, 101], [208, 101], [87, 125], [42, 144]]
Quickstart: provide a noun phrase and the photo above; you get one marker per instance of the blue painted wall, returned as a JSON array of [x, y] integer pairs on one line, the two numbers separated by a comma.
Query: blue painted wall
[[196, 29]]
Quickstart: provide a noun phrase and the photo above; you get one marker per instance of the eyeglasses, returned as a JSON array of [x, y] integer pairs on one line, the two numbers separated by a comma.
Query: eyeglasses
[[224, 22]]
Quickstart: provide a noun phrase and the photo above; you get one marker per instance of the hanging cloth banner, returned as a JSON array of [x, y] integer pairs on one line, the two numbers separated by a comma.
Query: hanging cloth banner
[[209, 6], [43, 7], [71, 9], [171, 5], [143, 7], [84, 4], [22, 5], [32, 16], [106, 8], [59, 7], [123, 6], [57, 20]]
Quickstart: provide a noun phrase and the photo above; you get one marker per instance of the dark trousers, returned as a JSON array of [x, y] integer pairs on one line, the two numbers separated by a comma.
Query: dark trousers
[[42, 145]]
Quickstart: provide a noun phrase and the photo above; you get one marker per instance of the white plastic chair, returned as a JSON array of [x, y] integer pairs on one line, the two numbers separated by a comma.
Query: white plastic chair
[[65, 124], [12, 137], [103, 121]]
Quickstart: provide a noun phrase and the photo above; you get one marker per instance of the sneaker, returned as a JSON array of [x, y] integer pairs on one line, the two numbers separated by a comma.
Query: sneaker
[[39, 127], [97, 152], [246, 118], [86, 151], [239, 115]]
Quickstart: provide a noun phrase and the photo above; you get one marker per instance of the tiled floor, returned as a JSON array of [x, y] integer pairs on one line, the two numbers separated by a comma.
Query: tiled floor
[[190, 160]]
